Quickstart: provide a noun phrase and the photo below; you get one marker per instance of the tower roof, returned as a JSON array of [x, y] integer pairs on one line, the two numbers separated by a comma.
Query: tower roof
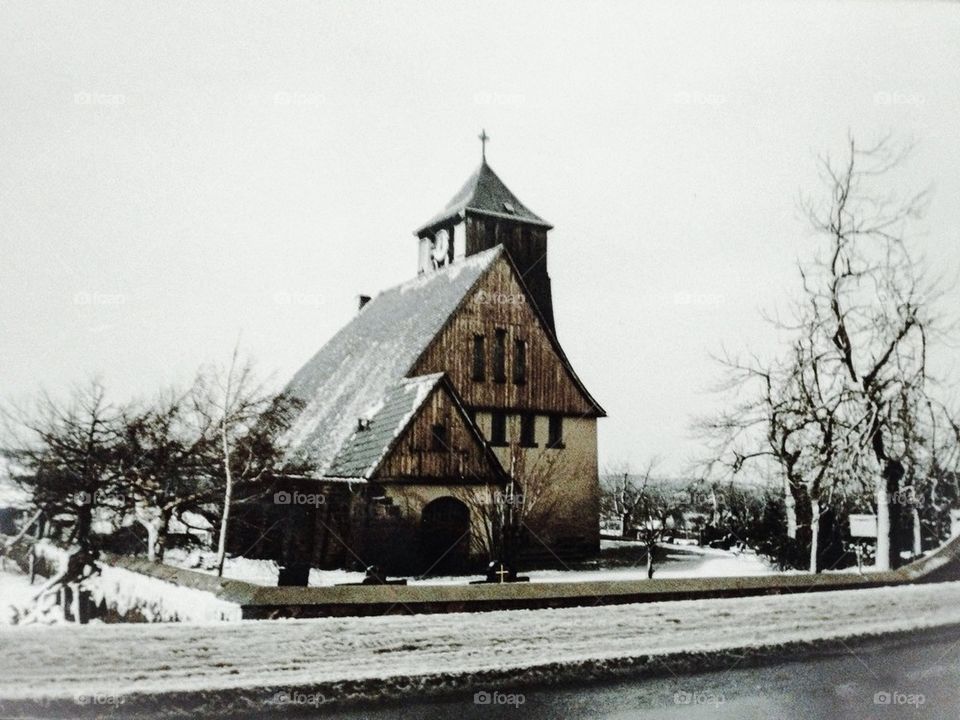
[[484, 193]]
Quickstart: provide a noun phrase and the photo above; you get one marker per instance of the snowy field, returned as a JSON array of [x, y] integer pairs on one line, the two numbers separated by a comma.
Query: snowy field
[[620, 560], [349, 657]]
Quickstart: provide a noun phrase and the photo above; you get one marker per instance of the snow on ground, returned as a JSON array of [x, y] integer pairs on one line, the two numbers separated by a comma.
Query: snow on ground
[[15, 591], [156, 600], [63, 661], [677, 561]]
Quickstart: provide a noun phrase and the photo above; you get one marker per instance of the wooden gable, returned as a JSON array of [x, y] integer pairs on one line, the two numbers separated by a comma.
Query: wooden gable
[[460, 455], [499, 301]]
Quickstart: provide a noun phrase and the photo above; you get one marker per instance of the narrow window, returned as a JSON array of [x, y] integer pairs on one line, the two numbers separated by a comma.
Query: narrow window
[[528, 430], [479, 359], [555, 434], [439, 439], [519, 362], [500, 356], [498, 428]]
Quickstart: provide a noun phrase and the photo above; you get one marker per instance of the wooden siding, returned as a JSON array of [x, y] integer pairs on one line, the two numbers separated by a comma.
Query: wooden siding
[[527, 245], [498, 301], [414, 457]]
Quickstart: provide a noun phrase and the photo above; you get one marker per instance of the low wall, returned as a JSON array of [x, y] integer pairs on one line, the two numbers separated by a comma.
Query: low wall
[[224, 598]]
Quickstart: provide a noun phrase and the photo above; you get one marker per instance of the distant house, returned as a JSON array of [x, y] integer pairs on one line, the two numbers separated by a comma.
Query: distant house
[[438, 391]]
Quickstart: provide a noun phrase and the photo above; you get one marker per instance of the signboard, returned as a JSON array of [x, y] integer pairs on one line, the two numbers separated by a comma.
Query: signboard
[[863, 526]]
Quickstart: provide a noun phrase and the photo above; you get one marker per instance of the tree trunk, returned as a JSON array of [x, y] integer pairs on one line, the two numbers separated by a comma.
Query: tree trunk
[[814, 535], [917, 537], [803, 512], [888, 511], [152, 533], [227, 500], [163, 528], [790, 506], [888, 515], [883, 526], [650, 561]]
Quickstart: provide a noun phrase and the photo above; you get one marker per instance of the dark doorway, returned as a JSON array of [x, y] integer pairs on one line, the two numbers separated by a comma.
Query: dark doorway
[[444, 536]]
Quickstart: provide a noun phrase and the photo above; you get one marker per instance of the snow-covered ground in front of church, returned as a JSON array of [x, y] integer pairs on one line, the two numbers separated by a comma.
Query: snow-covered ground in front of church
[[253, 660], [15, 591], [676, 561]]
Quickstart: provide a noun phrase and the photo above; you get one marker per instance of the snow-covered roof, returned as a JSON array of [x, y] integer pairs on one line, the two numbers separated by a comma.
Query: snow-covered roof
[[354, 375], [485, 193], [364, 450]]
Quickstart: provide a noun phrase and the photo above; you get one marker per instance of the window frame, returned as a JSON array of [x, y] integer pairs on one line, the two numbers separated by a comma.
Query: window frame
[[500, 355], [555, 431], [438, 440], [519, 369], [498, 439], [528, 430], [478, 362]]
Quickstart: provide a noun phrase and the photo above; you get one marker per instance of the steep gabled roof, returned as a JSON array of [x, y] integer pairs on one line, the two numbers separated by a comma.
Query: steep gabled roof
[[365, 449], [352, 375], [362, 455], [485, 193]]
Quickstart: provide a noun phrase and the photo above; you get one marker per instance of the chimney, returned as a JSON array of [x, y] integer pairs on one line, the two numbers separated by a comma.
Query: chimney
[[364, 299]]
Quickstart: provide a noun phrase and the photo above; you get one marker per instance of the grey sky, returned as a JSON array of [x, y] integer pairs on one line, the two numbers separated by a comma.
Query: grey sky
[[175, 174]]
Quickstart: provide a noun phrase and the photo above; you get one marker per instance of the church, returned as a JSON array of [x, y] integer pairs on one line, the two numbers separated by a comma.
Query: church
[[444, 404]]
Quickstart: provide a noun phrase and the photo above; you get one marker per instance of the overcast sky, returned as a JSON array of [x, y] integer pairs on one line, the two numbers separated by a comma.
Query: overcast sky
[[173, 176]]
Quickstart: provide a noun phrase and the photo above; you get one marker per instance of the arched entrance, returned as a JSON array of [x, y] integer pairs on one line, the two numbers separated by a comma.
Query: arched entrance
[[444, 536]]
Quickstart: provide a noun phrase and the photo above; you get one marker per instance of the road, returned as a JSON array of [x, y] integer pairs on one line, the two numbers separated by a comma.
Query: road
[[919, 679]]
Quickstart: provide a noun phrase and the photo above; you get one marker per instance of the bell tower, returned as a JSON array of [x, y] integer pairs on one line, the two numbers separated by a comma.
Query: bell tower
[[482, 215]]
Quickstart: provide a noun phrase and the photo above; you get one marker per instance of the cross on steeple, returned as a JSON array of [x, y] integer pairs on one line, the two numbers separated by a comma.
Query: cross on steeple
[[483, 144]]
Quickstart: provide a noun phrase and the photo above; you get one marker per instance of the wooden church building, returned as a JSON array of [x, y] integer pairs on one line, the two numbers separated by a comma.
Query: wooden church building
[[446, 402]]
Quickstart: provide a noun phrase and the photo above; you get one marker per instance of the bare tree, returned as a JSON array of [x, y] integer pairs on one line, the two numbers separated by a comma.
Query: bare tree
[[847, 399], [873, 314], [163, 464], [620, 492], [246, 422], [64, 452], [507, 518], [651, 506]]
